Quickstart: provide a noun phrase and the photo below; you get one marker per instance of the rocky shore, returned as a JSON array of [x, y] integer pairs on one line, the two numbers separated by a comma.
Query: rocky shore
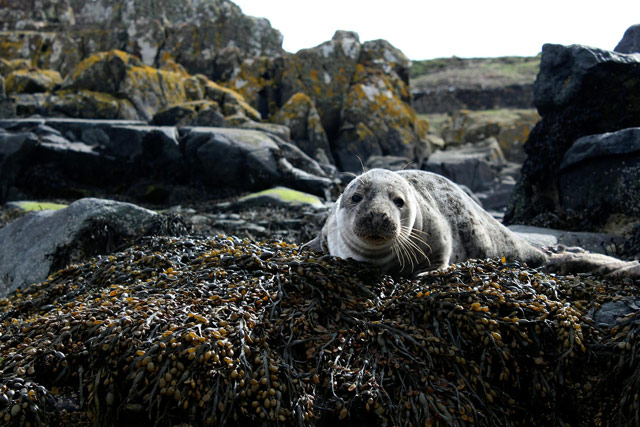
[[158, 178]]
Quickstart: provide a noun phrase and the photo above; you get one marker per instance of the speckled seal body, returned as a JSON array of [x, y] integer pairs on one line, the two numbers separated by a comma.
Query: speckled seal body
[[412, 221]]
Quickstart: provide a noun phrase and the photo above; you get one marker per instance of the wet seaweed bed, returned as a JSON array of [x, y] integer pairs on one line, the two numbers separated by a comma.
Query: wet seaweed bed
[[224, 331]]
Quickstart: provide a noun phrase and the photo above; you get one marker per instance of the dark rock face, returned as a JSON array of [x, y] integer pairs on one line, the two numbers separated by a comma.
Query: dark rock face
[[630, 42], [580, 91], [451, 100], [73, 158], [601, 173], [191, 33]]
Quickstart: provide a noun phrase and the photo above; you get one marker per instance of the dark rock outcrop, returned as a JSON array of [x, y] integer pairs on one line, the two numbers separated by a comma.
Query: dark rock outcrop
[[601, 173], [630, 42], [58, 35], [449, 100], [72, 158], [580, 91]]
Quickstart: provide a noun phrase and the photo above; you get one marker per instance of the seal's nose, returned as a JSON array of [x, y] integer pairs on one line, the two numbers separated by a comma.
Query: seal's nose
[[378, 219]]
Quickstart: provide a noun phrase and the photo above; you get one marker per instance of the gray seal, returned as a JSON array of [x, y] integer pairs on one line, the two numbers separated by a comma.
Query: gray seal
[[412, 221]]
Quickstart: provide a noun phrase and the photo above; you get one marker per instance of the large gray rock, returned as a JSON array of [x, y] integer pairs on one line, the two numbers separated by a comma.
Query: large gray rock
[[630, 42], [37, 244], [579, 91]]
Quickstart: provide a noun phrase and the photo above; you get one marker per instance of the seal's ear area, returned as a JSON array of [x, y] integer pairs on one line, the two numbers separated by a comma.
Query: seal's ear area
[[313, 245]]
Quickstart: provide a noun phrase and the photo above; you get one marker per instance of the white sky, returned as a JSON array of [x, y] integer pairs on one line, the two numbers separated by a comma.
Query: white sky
[[425, 29]]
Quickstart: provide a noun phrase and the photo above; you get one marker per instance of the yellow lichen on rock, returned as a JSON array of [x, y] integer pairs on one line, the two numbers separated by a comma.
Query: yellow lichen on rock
[[32, 80]]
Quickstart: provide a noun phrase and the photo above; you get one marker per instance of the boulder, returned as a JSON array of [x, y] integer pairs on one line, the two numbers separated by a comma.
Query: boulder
[[377, 118], [247, 159], [126, 77], [29, 81], [39, 243], [152, 30], [630, 42], [579, 91], [600, 174], [299, 114], [473, 165]]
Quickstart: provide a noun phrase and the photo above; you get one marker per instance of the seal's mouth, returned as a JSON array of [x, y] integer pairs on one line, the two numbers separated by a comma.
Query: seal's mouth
[[377, 239]]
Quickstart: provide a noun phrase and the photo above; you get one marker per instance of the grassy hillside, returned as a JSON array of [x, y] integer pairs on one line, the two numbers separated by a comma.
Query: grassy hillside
[[475, 72]]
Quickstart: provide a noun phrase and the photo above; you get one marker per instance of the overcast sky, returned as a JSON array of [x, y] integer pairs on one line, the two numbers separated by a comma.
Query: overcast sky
[[425, 29]]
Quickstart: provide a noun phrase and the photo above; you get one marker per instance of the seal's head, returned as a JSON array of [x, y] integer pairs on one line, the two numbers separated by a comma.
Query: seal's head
[[374, 218]]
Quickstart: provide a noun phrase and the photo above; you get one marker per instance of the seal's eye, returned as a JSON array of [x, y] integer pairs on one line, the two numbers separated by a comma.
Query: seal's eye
[[398, 202], [356, 198]]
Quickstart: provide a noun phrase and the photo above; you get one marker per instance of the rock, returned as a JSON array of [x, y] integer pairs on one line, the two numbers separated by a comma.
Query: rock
[[299, 114], [451, 99], [7, 109], [630, 42], [279, 196], [600, 174], [72, 158], [126, 77], [447, 85], [246, 159], [116, 85], [510, 127], [377, 118], [360, 92], [151, 30], [394, 163], [75, 103], [579, 91], [69, 158], [474, 165], [194, 113], [496, 196], [600, 243], [30, 81], [37, 244]]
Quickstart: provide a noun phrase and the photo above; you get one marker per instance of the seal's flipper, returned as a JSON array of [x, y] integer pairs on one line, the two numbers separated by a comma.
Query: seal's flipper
[[586, 262], [313, 245]]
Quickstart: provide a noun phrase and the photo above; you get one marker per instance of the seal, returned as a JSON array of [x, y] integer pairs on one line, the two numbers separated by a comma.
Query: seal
[[413, 221]]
